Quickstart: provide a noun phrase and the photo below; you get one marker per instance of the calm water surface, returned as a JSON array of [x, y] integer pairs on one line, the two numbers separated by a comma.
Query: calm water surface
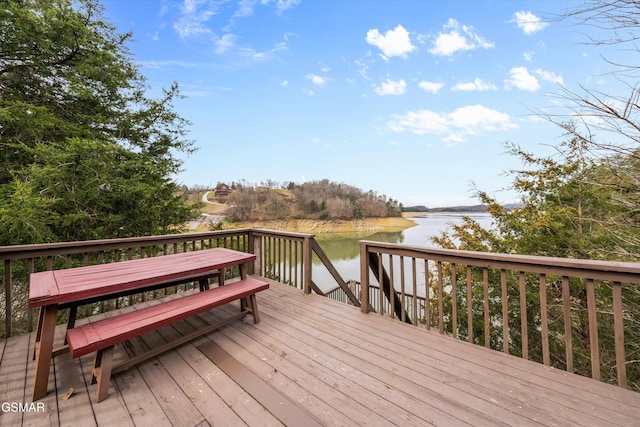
[[344, 251]]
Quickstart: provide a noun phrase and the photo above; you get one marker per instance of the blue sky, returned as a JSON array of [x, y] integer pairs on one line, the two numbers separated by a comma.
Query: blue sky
[[410, 99]]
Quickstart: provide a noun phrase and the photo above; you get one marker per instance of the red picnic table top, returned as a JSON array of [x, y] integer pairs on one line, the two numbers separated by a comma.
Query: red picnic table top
[[74, 284]]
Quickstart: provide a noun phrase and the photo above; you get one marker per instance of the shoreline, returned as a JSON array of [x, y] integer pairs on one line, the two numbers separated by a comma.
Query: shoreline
[[364, 226]]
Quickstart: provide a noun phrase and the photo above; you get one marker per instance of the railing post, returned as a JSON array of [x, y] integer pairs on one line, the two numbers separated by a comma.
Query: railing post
[[7, 297], [253, 267], [307, 259], [364, 278]]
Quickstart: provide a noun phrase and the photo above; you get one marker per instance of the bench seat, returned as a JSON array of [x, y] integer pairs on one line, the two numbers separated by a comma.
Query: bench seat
[[101, 336]]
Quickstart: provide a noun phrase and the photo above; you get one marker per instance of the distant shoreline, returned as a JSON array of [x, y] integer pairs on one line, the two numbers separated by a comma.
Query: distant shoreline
[[410, 215]]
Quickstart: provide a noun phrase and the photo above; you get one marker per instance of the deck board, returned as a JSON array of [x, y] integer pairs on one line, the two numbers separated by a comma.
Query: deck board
[[340, 366], [463, 371]]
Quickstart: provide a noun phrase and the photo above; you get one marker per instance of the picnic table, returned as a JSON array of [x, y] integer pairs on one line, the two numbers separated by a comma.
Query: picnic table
[[69, 288]]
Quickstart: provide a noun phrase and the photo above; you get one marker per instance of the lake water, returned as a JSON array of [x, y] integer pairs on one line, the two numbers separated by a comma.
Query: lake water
[[344, 251]]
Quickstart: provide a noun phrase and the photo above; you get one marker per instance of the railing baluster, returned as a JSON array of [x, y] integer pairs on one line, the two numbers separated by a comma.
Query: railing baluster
[[30, 269], [486, 313], [593, 330], [568, 323], [392, 289], [380, 292], [544, 320], [523, 315], [414, 277], [618, 322], [427, 301], [505, 311], [440, 299], [454, 302], [8, 300], [290, 259], [469, 303], [402, 293]]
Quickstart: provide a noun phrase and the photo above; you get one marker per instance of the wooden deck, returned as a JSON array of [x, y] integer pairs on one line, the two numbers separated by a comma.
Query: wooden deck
[[312, 360]]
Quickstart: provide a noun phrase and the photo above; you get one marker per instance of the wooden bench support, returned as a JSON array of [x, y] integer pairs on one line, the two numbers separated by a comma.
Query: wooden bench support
[[102, 369], [103, 335]]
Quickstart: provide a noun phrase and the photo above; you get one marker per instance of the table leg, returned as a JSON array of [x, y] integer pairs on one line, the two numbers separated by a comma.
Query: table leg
[[44, 348], [243, 271], [73, 313]]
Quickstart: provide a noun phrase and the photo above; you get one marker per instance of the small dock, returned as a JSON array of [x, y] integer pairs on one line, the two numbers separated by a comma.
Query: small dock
[[311, 361]]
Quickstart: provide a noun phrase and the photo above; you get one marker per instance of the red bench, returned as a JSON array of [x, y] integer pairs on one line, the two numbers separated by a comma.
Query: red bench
[[101, 336]]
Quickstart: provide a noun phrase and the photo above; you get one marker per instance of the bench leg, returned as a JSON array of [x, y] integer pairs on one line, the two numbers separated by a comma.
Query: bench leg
[[101, 372], [252, 302]]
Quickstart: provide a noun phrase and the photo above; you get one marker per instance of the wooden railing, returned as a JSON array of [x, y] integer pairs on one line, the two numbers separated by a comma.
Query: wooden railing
[[288, 258], [577, 315], [538, 308], [281, 256]]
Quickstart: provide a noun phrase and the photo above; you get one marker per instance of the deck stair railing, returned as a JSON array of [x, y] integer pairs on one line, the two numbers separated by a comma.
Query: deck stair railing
[[288, 258], [537, 308]]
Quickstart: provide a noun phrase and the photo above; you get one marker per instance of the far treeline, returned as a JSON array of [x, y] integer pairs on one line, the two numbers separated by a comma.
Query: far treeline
[[321, 200]]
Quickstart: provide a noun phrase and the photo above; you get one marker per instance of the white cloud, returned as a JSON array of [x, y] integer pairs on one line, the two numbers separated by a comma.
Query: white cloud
[[284, 83], [521, 79], [282, 4], [477, 117], [389, 87], [193, 18], [457, 38], [528, 22], [395, 42], [528, 56], [420, 122], [245, 8], [264, 55], [431, 87], [362, 69], [549, 76], [316, 79], [454, 126], [224, 43], [476, 85]]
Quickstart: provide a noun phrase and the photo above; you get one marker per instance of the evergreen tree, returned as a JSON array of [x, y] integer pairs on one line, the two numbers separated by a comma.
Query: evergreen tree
[[84, 152]]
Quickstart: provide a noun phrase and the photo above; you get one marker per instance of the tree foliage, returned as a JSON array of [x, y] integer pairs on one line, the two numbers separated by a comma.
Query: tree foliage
[[321, 199], [84, 152]]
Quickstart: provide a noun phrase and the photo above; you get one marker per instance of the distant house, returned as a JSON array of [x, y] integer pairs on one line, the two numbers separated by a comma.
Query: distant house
[[222, 189]]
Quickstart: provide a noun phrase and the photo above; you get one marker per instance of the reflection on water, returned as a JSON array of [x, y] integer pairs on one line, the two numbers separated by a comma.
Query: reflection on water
[[345, 247], [343, 250]]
